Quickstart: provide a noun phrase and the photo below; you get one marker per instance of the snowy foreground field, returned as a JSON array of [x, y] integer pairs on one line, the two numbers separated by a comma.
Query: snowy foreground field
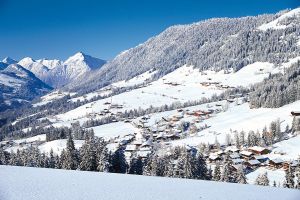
[[35, 183]]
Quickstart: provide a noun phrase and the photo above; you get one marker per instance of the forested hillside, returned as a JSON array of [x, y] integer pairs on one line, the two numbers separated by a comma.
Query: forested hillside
[[278, 90]]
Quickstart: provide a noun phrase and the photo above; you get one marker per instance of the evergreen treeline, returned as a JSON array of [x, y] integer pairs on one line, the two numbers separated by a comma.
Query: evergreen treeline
[[180, 162], [278, 90]]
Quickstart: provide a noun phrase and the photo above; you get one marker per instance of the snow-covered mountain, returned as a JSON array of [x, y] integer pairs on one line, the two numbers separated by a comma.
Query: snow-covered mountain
[[217, 44], [58, 73], [19, 85], [6, 61]]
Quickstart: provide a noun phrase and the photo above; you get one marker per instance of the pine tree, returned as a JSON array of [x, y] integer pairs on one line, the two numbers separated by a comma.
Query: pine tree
[[119, 164], [242, 138], [104, 161], [262, 179], [3, 157], [88, 155], [237, 140], [71, 156], [289, 178], [217, 172], [200, 168], [136, 166], [241, 178], [209, 174], [226, 173], [278, 132], [51, 159], [57, 161]]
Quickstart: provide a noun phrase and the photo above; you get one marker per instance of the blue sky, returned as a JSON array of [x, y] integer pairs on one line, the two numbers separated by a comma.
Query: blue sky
[[60, 28]]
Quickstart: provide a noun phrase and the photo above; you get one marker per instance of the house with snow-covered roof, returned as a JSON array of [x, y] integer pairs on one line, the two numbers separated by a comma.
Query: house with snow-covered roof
[[276, 162], [259, 150], [246, 154]]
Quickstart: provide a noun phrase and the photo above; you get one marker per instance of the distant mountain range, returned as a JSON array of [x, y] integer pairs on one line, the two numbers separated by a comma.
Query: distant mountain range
[[58, 73], [18, 85], [24, 80]]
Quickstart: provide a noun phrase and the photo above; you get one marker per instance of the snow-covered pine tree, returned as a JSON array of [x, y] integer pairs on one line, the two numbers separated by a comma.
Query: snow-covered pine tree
[[209, 173], [240, 177], [14, 160], [289, 178], [88, 155], [227, 173], [3, 157], [51, 159], [242, 138], [262, 179], [57, 161], [217, 172], [237, 140], [200, 167], [104, 161], [71, 155]]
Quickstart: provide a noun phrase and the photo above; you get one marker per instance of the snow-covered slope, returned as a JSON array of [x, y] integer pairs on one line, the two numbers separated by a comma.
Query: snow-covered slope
[[183, 84], [279, 22], [34, 184], [215, 44], [57, 73]]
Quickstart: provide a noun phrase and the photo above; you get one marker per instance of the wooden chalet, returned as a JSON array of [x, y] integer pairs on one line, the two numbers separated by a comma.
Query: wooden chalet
[[276, 163], [259, 150], [246, 154], [253, 163]]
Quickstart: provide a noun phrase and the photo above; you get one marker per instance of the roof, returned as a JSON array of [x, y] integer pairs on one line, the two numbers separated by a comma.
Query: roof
[[237, 161], [277, 160], [147, 143], [246, 153], [143, 154], [130, 147], [231, 148], [257, 148], [234, 155], [260, 157], [138, 142], [213, 157], [253, 162]]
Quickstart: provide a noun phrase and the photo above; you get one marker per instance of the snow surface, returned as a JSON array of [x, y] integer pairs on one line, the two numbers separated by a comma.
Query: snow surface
[[114, 129], [241, 118], [275, 23], [36, 183], [159, 93], [287, 150], [273, 175], [58, 145]]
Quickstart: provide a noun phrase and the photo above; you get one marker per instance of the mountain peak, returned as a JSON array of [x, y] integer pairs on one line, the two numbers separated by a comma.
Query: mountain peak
[[79, 56], [80, 59], [9, 61], [26, 60]]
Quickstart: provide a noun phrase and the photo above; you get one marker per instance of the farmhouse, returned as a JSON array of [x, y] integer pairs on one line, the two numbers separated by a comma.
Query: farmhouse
[[259, 150], [246, 154], [252, 163], [277, 162]]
